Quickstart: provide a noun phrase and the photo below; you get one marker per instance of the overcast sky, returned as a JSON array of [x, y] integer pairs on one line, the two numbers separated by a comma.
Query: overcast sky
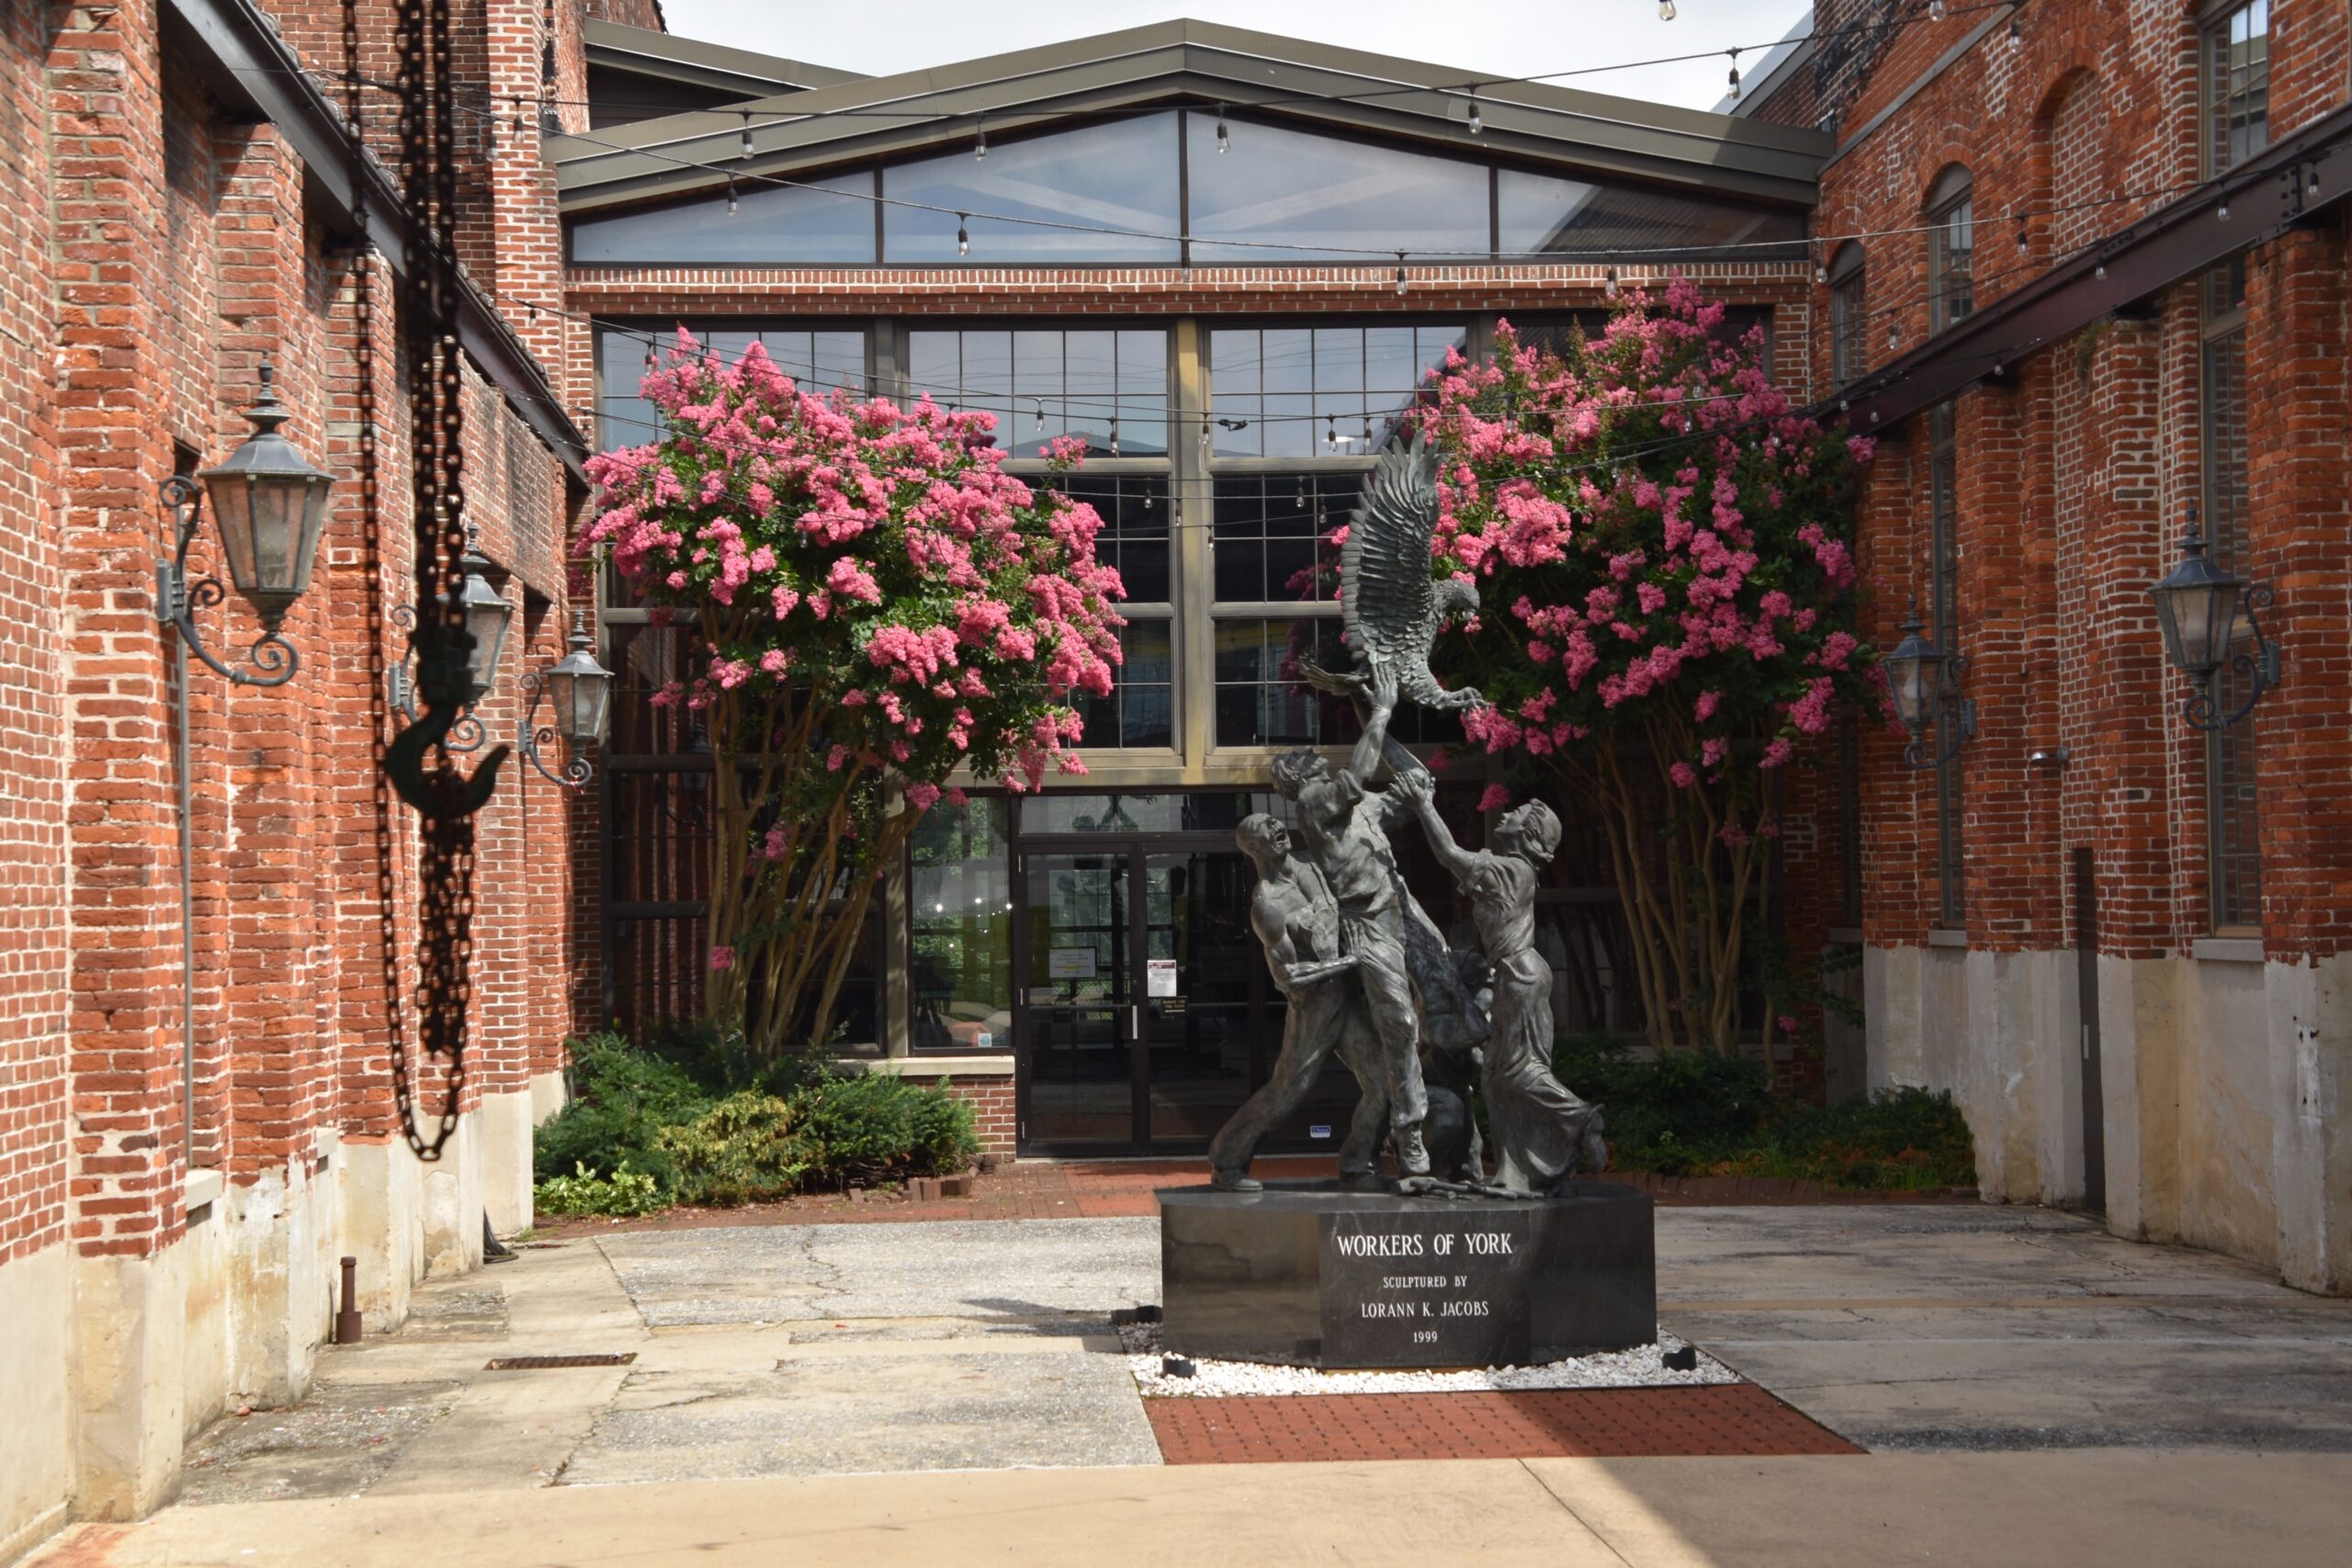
[[1509, 38]]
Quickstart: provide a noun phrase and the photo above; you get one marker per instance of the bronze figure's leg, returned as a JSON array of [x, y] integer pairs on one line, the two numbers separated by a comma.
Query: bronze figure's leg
[[1308, 1037]]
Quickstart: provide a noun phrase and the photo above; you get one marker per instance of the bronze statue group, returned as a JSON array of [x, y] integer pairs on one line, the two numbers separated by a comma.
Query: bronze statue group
[[1368, 976]]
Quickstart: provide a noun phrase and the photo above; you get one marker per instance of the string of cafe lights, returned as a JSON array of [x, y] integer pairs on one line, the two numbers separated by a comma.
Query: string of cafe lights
[[1467, 89], [965, 218]]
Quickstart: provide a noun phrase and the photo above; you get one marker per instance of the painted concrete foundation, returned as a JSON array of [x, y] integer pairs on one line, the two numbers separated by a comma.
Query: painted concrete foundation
[[2224, 1089], [115, 1362]]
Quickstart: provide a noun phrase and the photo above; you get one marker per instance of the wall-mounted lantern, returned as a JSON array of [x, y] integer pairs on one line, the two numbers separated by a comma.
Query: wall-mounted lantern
[[1925, 682], [579, 691], [487, 614], [2205, 613], [269, 506]]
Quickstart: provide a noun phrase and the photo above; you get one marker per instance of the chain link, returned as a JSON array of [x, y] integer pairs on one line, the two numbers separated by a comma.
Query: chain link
[[427, 98]]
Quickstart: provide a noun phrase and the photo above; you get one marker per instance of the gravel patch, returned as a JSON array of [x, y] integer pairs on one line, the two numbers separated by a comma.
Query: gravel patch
[[1641, 1366]]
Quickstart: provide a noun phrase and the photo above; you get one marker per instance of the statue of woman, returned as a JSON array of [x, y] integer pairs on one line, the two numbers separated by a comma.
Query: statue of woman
[[1538, 1128]]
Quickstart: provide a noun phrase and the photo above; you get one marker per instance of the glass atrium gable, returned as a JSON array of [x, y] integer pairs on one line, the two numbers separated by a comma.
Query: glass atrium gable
[[1155, 190]]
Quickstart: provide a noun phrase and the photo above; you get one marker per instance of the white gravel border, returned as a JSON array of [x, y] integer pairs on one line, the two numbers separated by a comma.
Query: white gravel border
[[1641, 1366]]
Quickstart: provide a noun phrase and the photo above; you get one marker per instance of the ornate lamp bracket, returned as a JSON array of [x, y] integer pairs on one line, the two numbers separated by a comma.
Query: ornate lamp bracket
[[2258, 664], [529, 739], [273, 661], [1934, 746]]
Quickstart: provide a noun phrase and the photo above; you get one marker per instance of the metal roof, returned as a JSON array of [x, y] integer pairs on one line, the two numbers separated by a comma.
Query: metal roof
[[641, 51], [1322, 85]]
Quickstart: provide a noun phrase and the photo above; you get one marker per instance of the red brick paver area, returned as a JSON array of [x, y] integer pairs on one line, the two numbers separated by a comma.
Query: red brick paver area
[[1729, 1420]]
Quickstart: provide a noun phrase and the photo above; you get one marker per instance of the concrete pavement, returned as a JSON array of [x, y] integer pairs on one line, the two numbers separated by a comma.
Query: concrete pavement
[[2017, 1510], [897, 1392]]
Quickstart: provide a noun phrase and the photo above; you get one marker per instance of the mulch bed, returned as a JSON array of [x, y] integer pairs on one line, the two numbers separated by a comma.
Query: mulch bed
[[1732, 1420], [1063, 1189]]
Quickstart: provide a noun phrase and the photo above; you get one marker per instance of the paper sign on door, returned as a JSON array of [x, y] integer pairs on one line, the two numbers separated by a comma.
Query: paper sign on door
[[1159, 978], [1070, 962]]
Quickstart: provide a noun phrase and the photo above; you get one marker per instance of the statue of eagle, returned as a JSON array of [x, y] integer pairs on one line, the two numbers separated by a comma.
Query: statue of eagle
[[1389, 604]]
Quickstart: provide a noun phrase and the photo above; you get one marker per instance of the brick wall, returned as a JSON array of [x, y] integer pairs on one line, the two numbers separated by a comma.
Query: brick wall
[[2077, 468]]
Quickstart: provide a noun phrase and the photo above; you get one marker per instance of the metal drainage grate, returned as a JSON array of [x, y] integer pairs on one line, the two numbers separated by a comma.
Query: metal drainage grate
[[547, 1363]]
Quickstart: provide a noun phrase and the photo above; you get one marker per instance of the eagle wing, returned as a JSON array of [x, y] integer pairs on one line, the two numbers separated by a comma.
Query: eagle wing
[[1387, 598]]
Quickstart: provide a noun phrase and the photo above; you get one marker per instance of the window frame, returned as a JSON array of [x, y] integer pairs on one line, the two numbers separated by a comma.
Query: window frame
[[2233, 877], [1849, 346], [2214, 97], [1943, 611], [1953, 197], [1490, 163]]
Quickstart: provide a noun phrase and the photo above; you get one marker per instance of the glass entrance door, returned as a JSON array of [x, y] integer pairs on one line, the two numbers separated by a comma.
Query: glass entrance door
[[1142, 1010], [1200, 1047], [1076, 1018]]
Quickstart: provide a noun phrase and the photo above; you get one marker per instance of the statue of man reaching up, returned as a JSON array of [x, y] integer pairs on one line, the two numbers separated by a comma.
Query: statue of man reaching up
[[1345, 830]]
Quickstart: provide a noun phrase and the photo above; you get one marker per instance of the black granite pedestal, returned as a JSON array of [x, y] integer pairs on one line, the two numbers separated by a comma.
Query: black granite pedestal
[[1312, 1274]]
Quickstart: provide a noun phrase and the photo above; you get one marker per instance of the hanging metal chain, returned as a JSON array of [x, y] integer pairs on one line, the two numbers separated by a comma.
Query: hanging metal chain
[[444, 797]]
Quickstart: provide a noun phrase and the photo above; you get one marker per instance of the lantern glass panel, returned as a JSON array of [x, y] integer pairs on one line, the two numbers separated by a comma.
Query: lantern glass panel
[[233, 498], [487, 613], [584, 710]]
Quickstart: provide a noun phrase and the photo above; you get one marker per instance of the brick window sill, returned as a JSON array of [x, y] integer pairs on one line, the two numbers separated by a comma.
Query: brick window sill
[[975, 1066], [2227, 950], [1941, 938]]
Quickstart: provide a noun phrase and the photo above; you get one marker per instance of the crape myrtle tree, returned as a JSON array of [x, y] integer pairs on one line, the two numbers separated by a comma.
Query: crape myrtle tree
[[1669, 610], [871, 604]]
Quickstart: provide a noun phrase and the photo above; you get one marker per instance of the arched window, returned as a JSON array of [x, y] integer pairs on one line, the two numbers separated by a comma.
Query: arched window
[[1850, 344], [1952, 249]]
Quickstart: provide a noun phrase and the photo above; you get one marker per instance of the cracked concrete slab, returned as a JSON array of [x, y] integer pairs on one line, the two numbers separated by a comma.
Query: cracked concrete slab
[[989, 1275], [873, 1412]]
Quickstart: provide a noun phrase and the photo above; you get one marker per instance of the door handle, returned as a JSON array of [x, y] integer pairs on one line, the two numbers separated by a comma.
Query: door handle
[[1135, 1022]]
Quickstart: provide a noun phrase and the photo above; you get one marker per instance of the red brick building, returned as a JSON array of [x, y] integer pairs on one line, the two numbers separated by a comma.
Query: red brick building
[[2078, 266], [2100, 281], [196, 1109]]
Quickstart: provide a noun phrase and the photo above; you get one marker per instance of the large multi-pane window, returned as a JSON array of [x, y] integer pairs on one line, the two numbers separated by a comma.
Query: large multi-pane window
[[1952, 249], [1298, 412], [2236, 71], [1849, 345], [959, 907], [1107, 389], [821, 359], [1943, 578], [1162, 188], [2232, 821]]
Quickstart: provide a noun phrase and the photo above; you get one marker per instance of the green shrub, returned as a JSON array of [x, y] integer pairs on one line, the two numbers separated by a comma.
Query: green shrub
[[742, 1150], [878, 1126], [624, 1192], [695, 1117], [1697, 1116], [622, 1098], [1673, 1115]]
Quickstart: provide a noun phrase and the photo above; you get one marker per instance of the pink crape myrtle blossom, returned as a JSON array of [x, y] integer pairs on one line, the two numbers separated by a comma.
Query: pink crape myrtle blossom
[[1670, 604], [859, 601]]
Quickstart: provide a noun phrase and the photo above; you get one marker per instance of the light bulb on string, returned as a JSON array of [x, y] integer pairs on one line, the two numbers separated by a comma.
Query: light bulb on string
[[980, 144], [1820, 273], [749, 149], [1224, 137], [1478, 126], [1040, 403], [1609, 283], [963, 236], [1114, 436], [2017, 31], [731, 206], [1935, 10], [1400, 271], [1734, 71], [1205, 437], [1666, 10], [1893, 336], [1331, 432], [2099, 271], [2223, 212]]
